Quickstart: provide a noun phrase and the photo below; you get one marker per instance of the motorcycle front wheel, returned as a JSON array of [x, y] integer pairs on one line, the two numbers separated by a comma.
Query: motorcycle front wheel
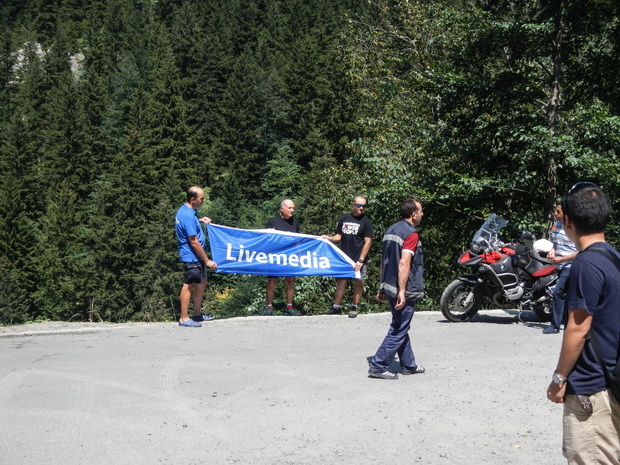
[[457, 304]]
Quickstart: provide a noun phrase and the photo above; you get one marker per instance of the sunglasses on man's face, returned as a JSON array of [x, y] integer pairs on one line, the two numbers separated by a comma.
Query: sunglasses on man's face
[[581, 185], [360, 205]]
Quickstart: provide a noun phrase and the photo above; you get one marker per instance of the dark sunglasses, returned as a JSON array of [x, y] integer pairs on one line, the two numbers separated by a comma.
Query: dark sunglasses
[[360, 205], [581, 185]]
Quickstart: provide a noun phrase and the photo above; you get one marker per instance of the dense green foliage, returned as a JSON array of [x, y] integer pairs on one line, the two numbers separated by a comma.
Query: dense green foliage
[[112, 108]]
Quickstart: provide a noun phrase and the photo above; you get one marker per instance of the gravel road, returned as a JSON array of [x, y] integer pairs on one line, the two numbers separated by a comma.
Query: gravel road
[[277, 390]]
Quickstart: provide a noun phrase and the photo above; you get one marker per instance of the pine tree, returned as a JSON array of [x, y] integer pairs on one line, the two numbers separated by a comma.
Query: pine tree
[[116, 230], [236, 148], [21, 196], [64, 263], [168, 144]]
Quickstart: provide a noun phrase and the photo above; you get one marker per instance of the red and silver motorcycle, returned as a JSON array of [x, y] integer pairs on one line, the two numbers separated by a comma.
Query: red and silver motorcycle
[[503, 275]]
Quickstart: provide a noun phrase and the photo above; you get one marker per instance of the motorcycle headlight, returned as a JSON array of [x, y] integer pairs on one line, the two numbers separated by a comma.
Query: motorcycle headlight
[[479, 247], [475, 248]]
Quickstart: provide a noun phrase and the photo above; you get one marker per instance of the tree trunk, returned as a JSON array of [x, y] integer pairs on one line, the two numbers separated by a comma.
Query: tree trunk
[[553, 107]]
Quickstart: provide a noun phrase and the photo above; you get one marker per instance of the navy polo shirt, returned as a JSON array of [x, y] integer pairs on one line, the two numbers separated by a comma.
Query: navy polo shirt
[[594, 285]]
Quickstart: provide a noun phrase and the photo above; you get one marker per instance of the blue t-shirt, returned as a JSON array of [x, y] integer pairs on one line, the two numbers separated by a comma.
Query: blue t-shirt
[[594, 285], [187, 224]]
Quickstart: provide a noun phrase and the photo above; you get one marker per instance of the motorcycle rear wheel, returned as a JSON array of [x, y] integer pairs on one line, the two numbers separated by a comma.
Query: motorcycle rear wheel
[[452, 302]]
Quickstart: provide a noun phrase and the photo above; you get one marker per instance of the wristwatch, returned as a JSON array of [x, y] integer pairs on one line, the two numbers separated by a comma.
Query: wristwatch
[[557, 379], [360, 260]]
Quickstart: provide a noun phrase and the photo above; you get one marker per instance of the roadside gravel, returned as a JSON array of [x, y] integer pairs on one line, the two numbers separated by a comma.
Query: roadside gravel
[[277, 390]]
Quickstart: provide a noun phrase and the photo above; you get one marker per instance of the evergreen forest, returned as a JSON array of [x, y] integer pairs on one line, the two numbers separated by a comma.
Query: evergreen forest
[[111, 109]]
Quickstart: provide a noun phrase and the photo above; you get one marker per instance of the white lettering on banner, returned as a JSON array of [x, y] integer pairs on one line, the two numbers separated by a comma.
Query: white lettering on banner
[[309, 260]]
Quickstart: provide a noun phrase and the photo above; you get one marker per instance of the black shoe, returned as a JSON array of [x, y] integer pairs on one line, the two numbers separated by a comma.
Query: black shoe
[[291, 312], [551, 330], [417, 371], [333, 311], [382, 374]]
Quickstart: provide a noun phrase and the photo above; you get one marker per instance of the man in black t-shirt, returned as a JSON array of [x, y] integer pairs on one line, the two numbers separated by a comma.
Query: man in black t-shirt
[[355, 233], [283, 222]]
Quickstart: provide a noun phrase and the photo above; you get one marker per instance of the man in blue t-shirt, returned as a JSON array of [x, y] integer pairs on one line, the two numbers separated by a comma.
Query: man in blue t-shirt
[[591, 421], [191, 239]]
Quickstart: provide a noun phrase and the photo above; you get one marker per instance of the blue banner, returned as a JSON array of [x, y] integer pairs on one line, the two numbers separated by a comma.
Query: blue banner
[[276, 253]]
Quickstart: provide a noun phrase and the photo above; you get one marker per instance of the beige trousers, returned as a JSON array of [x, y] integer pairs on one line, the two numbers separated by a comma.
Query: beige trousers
[[592, 439]]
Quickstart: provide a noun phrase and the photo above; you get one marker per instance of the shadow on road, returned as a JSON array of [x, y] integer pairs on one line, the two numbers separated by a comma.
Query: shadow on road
[[504, 317]]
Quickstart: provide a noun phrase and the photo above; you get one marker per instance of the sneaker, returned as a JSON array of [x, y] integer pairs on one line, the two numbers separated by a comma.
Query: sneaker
[[416, 371], [352, 313], [333, 311], [382, 374], [268, 311], [551, 330], [291, 312], [190, 324], [203, 317]]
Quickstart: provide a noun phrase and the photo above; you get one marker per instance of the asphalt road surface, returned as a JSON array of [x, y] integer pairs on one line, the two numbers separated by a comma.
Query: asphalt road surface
[[277, 390]]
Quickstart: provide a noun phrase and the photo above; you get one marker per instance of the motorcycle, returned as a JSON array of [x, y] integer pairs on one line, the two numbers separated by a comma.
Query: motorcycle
[[505, 275]]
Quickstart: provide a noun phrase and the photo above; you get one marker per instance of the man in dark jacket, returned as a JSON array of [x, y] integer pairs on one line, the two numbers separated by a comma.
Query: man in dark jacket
[[402, 285]]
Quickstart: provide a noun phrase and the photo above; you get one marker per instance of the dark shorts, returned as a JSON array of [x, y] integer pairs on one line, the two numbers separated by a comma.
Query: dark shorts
[[194, 272]]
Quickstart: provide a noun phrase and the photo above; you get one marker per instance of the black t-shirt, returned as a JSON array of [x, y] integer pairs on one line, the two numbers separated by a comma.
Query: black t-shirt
[[353, 230], [279, 223]]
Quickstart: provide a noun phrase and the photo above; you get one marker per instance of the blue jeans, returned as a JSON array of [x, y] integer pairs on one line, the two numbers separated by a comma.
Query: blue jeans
[[396, 341], [558, 297]]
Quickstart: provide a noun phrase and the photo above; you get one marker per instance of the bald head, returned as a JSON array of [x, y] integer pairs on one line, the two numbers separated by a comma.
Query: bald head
[[287, 208], [194, 192], [195, 197]]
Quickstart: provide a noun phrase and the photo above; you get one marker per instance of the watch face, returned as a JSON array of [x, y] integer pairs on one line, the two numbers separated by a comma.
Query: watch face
[[557, 379]]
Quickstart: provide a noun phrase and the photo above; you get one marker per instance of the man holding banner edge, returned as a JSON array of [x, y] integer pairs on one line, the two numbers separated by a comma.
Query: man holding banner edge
[[283, 222], [191, 240], [355, 233]]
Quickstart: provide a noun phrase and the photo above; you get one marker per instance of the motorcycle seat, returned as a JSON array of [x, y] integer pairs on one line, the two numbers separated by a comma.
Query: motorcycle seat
[[546, 271]]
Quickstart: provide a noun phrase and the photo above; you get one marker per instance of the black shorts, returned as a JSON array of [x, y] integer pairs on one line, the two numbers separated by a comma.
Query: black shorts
[[194, 272]]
